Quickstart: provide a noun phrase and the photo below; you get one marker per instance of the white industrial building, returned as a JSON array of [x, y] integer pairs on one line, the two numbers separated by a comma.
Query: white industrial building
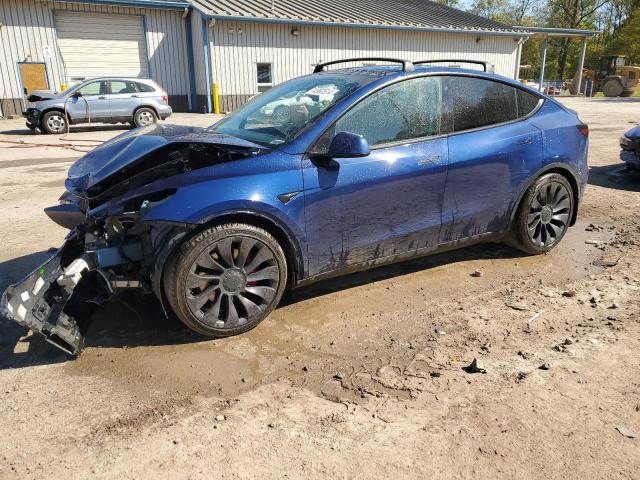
[[215, 54]]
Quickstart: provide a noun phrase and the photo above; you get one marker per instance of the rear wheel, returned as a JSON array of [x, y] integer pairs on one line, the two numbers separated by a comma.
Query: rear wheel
[[54, 122], [144, 117], [226, 280], [544, 214]]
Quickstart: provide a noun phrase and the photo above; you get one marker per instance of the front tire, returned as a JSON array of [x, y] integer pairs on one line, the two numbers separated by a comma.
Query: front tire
[[54, 123], [144, 117], [226, 280], [544, 215]]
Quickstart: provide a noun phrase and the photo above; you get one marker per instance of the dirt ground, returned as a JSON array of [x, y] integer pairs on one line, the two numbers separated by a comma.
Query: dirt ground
[[359, 377]]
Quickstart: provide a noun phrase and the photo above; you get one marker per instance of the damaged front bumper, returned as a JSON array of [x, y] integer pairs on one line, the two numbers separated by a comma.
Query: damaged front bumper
[[41, 301]]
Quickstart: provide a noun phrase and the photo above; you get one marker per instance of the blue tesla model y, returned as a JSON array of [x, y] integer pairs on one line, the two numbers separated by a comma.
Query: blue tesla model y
[[340, 170]]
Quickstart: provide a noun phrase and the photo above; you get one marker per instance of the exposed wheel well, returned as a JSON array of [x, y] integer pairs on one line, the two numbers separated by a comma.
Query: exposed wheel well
[[284, 238], [51, 109], [146, 106]]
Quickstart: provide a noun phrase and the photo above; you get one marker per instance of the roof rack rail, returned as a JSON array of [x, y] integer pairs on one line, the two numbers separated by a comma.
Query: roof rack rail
[[488, 66], [407, 66]]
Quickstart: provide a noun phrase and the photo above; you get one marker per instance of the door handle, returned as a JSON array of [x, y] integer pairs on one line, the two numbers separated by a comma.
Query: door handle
[[134, 96], [525, 141], [102, 97]]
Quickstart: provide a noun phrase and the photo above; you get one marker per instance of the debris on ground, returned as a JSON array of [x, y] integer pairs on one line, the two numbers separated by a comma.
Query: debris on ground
[[545, 366], [525, 355], [475, 367], [220, 418], [517, 306], [606, 262], [627, 432], [477, 273], [569, 293]]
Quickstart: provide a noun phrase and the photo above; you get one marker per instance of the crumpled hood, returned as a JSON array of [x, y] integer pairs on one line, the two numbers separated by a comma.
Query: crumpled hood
[[634, 133], [125, 149], [39, 95]]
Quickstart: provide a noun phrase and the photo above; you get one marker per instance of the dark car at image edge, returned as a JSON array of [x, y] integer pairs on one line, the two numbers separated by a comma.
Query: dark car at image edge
[[368, 165]]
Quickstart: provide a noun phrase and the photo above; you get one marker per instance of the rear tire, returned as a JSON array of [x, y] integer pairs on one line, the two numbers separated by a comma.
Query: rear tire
[[544, 215], [144, 117], [226, 280], [612, 88]]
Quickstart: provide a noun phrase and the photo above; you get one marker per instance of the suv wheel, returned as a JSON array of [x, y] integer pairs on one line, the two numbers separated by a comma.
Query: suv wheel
[[544, 215], [144, 116], [54, 122], [226, 280]]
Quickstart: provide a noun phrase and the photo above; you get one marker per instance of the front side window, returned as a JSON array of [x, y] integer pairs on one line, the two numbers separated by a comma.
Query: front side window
[[277, 116], [406, 110], [477, 102], [93, 88]]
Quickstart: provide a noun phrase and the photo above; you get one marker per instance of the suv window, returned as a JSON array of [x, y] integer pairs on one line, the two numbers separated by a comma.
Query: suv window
[[93, 88], [144, 88], [527, 102], [122, 86], [478, 102], [403, 111]]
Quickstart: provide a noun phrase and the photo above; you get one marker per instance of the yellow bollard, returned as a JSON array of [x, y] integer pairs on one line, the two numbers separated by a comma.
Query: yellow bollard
[[216, 99]]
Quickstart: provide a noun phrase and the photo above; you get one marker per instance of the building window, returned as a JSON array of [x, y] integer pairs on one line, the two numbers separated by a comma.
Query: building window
[[264, 77]]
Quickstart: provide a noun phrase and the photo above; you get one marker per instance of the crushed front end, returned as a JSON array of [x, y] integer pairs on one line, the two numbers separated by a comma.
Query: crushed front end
[[100, 258], [630, 148], [111, 247]]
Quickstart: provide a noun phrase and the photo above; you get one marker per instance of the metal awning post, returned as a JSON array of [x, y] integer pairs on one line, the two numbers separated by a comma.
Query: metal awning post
[[543, 60], [583, 49]]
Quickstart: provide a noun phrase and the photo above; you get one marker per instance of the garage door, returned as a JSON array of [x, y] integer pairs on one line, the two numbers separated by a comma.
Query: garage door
[[98, 44]]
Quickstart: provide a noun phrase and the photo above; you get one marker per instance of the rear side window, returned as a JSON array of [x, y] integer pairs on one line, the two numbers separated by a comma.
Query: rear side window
[[527, 102], [144, 88], [122, 87], [477, 102], [403, 111]]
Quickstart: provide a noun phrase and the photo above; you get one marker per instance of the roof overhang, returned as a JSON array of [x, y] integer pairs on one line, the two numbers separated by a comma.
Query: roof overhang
[[169, 4], [411, 28], [547, 32]]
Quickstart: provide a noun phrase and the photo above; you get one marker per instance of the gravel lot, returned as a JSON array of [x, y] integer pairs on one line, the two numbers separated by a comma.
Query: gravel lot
[[358, 377]]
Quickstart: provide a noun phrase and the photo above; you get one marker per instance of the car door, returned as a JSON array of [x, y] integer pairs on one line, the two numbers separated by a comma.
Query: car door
[[492, 150], [387, 204], [92, 103], [123, 99]]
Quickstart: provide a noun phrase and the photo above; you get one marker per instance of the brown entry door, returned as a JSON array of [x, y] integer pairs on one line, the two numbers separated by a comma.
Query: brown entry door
[[34, 77]]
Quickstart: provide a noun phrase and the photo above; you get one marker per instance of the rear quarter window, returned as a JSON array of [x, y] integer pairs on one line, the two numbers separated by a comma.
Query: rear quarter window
[[144, 88], [527, 103], [477, 102]]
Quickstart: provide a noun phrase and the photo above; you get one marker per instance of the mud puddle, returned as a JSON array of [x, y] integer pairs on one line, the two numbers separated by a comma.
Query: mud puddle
[[319, 329]]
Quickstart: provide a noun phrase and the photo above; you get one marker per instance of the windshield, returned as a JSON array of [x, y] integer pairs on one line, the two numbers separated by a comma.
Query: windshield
[[277, 116]]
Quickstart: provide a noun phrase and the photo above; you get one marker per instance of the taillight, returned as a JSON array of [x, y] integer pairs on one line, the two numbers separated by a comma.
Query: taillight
[[165, 99], [584, 129]]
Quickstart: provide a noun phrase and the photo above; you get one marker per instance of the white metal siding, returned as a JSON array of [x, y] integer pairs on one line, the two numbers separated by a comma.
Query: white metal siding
[[101, 44], [238, 46], [28, 25]]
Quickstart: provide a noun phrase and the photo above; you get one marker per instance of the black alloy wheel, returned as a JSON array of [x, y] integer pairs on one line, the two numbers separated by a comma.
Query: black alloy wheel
[[544, 214], [226, 280]]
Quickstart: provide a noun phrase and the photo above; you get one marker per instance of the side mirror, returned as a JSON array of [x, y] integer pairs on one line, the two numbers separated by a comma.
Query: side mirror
[[76, 94], [348, 145]]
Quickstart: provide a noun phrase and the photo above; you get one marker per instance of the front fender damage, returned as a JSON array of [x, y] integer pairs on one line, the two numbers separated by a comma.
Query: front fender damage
[[99, 260]]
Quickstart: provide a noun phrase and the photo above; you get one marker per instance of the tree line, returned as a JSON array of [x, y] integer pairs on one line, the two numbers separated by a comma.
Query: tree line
[[617, 20]]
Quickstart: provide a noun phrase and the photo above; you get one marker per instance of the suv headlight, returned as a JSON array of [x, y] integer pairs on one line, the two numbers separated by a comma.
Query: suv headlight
[[626, 142]]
